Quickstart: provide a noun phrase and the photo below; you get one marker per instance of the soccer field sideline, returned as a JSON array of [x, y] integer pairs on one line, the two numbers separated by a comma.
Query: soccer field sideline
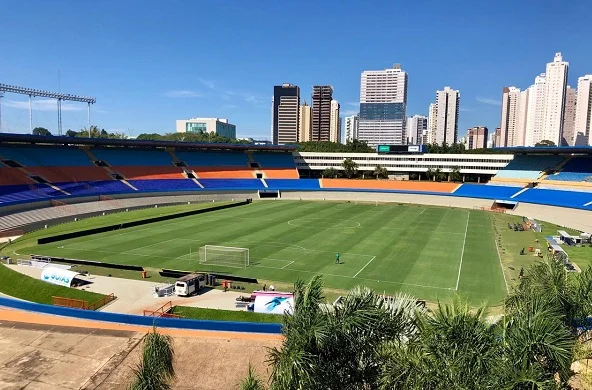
[[418, 248]]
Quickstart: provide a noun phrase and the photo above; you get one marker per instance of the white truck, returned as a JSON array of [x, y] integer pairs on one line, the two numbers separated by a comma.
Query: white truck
[[189, 284]]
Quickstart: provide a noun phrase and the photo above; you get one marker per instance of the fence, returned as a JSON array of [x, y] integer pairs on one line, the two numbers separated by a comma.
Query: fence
[[11, 233], [162, 311], [82, 304]]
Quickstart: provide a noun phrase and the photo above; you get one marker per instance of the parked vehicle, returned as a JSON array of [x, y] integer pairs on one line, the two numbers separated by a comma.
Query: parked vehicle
[[189, 284]]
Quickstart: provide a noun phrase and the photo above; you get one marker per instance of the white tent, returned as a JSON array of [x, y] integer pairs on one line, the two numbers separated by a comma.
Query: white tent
[[59, 276]]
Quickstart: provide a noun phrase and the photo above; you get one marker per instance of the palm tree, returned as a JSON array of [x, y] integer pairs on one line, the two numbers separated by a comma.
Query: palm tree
[[350, 168], [155, 370], [252, 381]]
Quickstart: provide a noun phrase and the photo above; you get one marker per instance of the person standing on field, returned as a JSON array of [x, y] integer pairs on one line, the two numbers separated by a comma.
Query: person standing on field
[[337, 258]]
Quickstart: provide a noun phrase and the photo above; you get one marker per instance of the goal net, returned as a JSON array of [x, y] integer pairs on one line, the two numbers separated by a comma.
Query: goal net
[[226, 256]]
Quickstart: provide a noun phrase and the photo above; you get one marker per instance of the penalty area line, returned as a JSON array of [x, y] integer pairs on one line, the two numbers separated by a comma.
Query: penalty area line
[[370, 261], [290, 263]]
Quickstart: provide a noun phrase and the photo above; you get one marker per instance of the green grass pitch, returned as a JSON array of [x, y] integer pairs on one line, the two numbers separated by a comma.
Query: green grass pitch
[[429, 252]]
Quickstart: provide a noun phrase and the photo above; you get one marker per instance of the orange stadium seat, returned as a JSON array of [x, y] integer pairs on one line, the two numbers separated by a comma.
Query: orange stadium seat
[[70, 174], [389, 185], [12, 176], [224, 173], [150, 173], [281, 173]]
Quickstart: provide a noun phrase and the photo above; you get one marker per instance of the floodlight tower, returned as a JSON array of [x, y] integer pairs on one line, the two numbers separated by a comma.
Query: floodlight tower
[[1, 96]]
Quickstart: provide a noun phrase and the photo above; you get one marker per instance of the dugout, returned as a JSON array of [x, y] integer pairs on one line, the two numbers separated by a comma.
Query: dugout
[[504, 204], [269, 194], [60, 276]]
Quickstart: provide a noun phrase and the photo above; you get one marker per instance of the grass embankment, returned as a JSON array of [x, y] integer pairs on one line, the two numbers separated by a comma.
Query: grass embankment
[[24, 287], [226, 315]]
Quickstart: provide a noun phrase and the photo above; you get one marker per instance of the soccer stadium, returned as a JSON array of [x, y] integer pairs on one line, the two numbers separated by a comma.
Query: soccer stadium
[[247, 216]]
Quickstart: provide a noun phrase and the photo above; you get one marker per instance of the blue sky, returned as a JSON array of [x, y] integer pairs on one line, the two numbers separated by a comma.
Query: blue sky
[[149, 63]]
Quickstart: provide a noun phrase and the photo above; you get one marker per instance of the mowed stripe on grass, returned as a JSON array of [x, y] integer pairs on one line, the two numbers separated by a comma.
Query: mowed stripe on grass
[[415, 249]]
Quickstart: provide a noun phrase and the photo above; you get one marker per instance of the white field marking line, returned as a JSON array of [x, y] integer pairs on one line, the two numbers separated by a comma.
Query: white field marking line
[[463, 251], [146, 246], [407, 228], [370, 261], [290, 263], [422, 211], [307, 226], [351, 277], [501, 265]]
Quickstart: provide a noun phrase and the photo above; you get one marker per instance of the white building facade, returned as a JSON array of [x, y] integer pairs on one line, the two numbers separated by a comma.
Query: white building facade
[[383, 106], [556, 84], [335, 127], [569, 117], [219, 126], [583, 121], [447, 102], [536, 111], [509, 124], [351, 124], [417, 130], [432, 123]]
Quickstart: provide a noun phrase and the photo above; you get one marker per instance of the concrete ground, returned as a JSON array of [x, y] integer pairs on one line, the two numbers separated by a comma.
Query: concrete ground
[[49, 353], [135, 296]]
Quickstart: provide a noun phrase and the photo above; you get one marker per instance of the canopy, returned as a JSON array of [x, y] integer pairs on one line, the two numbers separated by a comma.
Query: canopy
[[59, 276], [274, 303]]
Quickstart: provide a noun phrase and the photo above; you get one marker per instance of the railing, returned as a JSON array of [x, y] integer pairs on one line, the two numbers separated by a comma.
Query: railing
[[162, 311], [102, 302], [82, 304]]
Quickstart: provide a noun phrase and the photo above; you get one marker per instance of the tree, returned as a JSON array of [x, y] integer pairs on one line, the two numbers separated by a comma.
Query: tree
[[155, 370], [71, 133], [350, 168], [41, 131], [330, 173], [545, 142], [455, 174], [380, 172]]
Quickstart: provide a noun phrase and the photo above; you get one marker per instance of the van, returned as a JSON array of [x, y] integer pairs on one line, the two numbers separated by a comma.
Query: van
[[189, 284]]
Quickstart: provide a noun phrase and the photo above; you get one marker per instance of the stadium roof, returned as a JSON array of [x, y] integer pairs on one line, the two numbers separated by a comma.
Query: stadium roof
[[546, 150], [62, 140]]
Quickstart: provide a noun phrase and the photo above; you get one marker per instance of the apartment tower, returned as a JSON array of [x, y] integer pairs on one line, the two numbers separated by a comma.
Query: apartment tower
[[417, 130], [535, 116], [322, 95], [285, 114], [569, 117], [335, 128], [477, 137], [556, 86], [510, 117], [305, 123], [383, 106], [583, 121], [351, 124], [432, 123], [447, 106]]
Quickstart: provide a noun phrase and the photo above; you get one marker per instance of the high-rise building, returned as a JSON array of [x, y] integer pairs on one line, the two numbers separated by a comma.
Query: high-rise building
[[219, 126], [285, 114], [477, 137], [383, 106], [447, 102], [569, 117], [497, 136], [322, 95], [351, 124], [417, 127], [583, 122], [510, 117], [535, 116], [520, 135], [556, 85], [304, 123], [335, 128], [432, 123]]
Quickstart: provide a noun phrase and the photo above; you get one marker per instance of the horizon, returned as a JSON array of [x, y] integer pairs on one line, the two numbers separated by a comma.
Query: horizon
[[144, 61]]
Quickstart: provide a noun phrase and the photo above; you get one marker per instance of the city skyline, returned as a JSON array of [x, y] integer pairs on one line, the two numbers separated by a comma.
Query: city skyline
[[157, 74]]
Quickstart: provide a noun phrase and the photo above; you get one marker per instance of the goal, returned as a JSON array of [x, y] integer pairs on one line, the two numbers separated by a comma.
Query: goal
[[227, 256]]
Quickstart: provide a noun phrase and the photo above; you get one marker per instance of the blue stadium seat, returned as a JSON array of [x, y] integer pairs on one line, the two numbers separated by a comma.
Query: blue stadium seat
[[213, 159], [165, 185], [232, 184], [486, 191], [528, 167], [576, 169], [46, 156], [293, 184], [94, 188], [575, 199], [274, 160], [25, 193], [125, 157]]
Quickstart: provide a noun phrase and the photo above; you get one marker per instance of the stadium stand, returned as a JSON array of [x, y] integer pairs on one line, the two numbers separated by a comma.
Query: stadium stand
[[231, 184], [486, 191], [274, 160], [293, 184], [224, 173], [133, 157], [23, 193], [12, 176], [213, 159], [409, 186], [281, 173], [69, 174], [528, 168], [43, 156], [576, 169], [149, 173], [573, 199], [93, 188], [165, 185]]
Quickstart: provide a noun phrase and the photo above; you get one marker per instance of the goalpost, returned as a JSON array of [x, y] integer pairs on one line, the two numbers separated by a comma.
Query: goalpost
[[226, 256]]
